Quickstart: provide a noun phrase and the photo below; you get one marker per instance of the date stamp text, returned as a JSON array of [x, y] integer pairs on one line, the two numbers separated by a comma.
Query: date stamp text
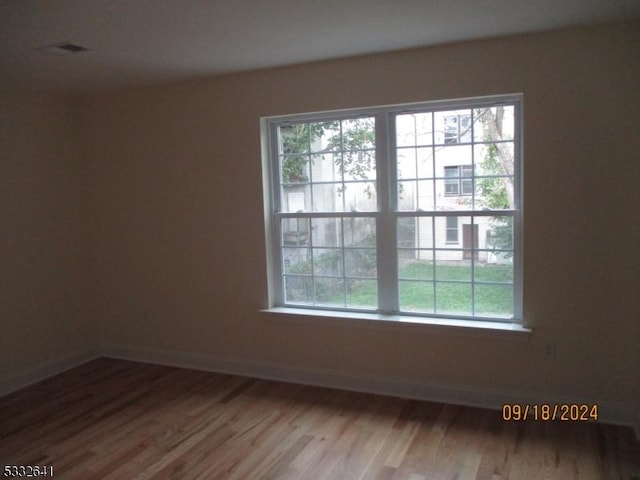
[[545, 412]]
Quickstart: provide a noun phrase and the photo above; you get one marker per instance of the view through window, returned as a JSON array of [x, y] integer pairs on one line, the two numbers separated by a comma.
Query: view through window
[[406, 210]]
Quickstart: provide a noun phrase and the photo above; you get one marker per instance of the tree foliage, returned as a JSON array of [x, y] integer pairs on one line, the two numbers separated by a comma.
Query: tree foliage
[[296, 143], [493, 192], [496, 193], [346, 142]]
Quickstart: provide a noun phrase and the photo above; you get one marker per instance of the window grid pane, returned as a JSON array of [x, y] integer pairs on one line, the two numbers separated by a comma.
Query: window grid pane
[[329, 262], [327, 166], [473, 278]]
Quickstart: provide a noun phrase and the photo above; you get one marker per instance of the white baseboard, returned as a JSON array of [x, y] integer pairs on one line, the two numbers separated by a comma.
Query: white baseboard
[[458, 395], [47, 369]]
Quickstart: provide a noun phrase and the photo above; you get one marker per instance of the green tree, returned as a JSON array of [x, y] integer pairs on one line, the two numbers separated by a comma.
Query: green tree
[[348, 141], [499, 159], [296, 143], [496, 193]]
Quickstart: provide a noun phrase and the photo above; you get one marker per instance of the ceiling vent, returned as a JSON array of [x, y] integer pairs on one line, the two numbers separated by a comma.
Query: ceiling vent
[[65, 48]]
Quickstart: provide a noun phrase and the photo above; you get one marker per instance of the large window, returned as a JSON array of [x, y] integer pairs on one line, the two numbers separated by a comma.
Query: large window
[[408, 210]]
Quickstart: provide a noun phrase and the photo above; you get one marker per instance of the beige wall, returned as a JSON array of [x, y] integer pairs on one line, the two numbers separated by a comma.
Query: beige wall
[[178, 217], [43, 241]]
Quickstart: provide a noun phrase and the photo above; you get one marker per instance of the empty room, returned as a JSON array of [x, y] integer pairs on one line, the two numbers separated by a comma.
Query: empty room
[[369, 239]]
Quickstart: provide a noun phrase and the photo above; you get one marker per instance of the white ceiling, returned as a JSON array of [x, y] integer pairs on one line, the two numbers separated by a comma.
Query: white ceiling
[[141, 42]]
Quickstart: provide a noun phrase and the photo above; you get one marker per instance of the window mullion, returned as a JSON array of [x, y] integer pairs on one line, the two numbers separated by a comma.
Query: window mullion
[[518, 209], [276, 290], [386, 225]]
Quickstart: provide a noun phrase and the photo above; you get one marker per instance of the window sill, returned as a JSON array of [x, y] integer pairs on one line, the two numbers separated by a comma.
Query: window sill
[[438, 326]]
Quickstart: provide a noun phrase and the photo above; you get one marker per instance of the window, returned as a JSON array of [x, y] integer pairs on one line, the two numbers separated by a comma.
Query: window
[[368, 207], [458, 180], [452, 229], [451, 182], [457, 128]]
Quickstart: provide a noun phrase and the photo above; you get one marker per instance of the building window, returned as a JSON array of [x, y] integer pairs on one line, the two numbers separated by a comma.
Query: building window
[[452, 229], [458, 180], [451, 181], [457, 128], [366, 207]]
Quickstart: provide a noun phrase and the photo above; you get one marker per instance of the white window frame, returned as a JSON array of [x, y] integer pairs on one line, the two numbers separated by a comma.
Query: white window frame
[[387, 214]]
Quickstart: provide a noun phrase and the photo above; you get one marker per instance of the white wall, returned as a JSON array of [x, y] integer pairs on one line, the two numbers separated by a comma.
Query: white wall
[[44, 294]]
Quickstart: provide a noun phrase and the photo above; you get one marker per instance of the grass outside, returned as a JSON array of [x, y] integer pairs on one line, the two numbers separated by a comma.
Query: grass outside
[[421, 294]]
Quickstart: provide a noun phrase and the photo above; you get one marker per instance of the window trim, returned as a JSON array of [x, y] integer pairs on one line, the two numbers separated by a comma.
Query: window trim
[[387, 213]]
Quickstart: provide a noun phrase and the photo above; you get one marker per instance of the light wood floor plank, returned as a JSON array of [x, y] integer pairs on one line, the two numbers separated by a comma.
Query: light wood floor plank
[[112, 419]]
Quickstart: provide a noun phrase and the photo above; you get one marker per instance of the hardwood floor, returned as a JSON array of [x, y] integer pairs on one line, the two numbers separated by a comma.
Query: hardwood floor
[[112, 419]]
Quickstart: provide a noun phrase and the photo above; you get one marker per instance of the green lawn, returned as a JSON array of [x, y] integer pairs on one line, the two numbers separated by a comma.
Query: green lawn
[[419, 286], [417, 289]]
